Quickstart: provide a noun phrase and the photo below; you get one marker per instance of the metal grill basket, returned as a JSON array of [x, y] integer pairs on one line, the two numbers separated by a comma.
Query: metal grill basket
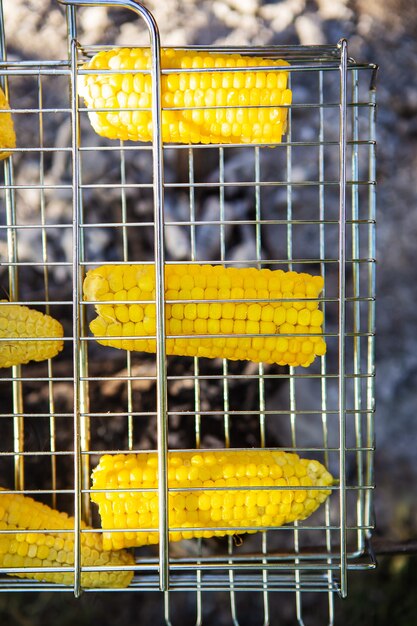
[[72, 201]]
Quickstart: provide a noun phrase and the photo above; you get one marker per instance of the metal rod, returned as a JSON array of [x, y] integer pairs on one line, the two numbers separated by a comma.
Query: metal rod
[[261, 370], [356, 279], [323, 364], [342, 315], [196, 368], [370, 383], [51, 402], [76, 322], [160, 305], [292, 390], [12, 260]]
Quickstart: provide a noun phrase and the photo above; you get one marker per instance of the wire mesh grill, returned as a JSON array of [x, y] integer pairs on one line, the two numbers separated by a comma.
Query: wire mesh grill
[[72, 201]]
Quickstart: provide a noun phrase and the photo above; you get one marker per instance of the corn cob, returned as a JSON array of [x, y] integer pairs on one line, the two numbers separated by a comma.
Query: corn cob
[[17, 321], [7, 133], [300, 317], [52, 548], [256, 500], [223, 106]]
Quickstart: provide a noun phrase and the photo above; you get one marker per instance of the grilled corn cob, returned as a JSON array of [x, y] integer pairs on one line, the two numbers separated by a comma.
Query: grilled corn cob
[[223, 106], [54, 549], [286, 332], [7, 133], [17, 321], [259, 494]]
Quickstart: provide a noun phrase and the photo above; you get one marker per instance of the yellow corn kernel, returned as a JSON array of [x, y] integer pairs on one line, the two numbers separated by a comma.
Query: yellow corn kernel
[[17, 322], [198, 107], [54, 548], [279, 500], [264, 322], [7, 132]]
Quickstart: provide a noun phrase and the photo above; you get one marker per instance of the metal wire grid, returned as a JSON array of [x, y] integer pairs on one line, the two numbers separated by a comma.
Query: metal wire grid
[[336, 395]]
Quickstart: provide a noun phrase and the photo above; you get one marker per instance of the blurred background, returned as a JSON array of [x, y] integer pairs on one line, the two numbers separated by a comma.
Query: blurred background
[[379, 32]]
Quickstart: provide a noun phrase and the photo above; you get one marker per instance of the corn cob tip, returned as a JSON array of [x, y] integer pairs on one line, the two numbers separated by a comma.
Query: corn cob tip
[[267, 489], [95, 284], [55, 548], [18, 322], [7, 132]]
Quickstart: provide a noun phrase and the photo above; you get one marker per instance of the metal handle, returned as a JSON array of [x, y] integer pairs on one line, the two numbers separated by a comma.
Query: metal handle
[[133, 5], [158, 189]]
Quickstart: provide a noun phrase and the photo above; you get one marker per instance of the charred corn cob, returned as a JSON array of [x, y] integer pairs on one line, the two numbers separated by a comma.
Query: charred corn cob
[[258, 496], [53, 549], [223, 106], [286, 332], [17, 321], [7, 133]]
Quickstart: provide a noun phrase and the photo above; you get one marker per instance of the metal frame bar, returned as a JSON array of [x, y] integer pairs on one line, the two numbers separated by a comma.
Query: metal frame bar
[[342, 313]]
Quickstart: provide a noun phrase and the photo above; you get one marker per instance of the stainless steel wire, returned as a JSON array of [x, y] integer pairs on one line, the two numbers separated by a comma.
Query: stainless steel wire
[[333, 402]]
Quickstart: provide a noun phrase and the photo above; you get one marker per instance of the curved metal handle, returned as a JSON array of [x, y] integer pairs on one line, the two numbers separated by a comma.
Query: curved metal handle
[[133, 5], [158, 188]]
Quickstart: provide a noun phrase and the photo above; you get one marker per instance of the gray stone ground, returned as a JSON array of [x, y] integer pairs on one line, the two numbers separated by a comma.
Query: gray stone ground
[[384, 33]]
